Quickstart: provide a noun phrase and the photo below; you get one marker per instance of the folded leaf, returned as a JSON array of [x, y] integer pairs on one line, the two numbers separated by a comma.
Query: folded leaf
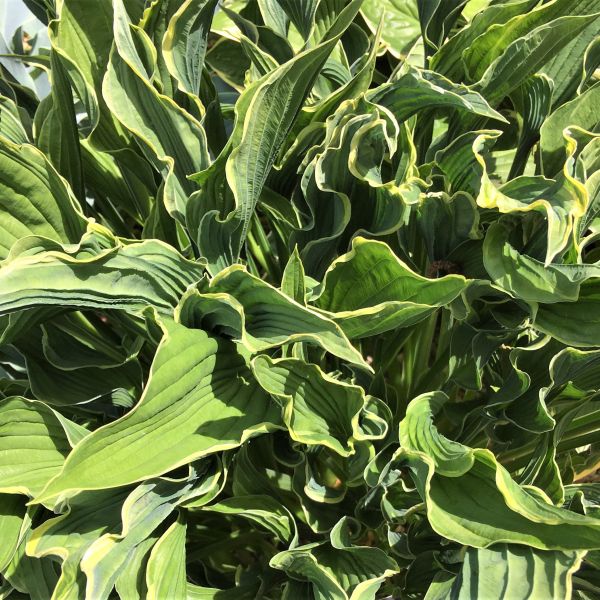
[[416, 89], [401, 26], [316, 409], [234, 303], [185, 43], [582, 112], [262, 510], [369, 291], [43, 273], [471, 498], [170, 137], [563, 202]]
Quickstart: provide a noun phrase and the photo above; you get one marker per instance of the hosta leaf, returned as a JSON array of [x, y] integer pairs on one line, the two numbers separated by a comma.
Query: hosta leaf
[[275, 102], [143, 511], [472, 499], [306, 293], [166, 575], [563, 201], [533, 101], [401, 26], [358, 84], [33, 577], [301, 14], [274, 16], [76, 340], [448, 59], [57, 134], [88, 275], [582, 112], [316, 409], [574, 323], [262, 510], [227, 59], [516, 572], [85, 49], [528, 278], [339, 571], [293, 281], [60, 387], [35, 200], [526, 55], [446, 222], [569, 69], [200, 389], [68, 536], [369, 290], [11, 126], [460, 162], [131, 582], [33, 446], [489, 46], [591, 61], [185, 43], [234, 303], [12, 517], [173, 141], [437, 19], [417, 89]]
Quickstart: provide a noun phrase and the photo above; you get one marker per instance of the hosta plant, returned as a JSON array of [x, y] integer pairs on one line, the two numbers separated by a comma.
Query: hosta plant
[[301, 299]]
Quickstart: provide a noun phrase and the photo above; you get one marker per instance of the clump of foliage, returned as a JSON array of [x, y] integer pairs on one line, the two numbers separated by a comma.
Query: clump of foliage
[[301, 302]]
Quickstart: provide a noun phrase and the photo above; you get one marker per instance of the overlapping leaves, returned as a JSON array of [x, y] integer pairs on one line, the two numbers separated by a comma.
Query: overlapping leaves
[[300, 300]]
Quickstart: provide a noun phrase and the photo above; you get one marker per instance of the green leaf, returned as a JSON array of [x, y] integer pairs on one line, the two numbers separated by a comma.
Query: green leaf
[[316, 409], [11, 125], [33, 446], [69, 535], [370, 290], [528, 278], [448, 59], [166, 570], [563, 201], [272, 105], [89, 275], [35, 199], [489, 46], [57, 134], [200, 390], [293, 281], [12, 522], [401, 27], [185, 43], [262, 510], [471, 498], [516, 572], [337, 570], [416, 89], [146, 507], [234, 302], [570, 68], [527, 54], [582, 112], [33, 577], [172, 140], [301, 13], [573, 323]]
